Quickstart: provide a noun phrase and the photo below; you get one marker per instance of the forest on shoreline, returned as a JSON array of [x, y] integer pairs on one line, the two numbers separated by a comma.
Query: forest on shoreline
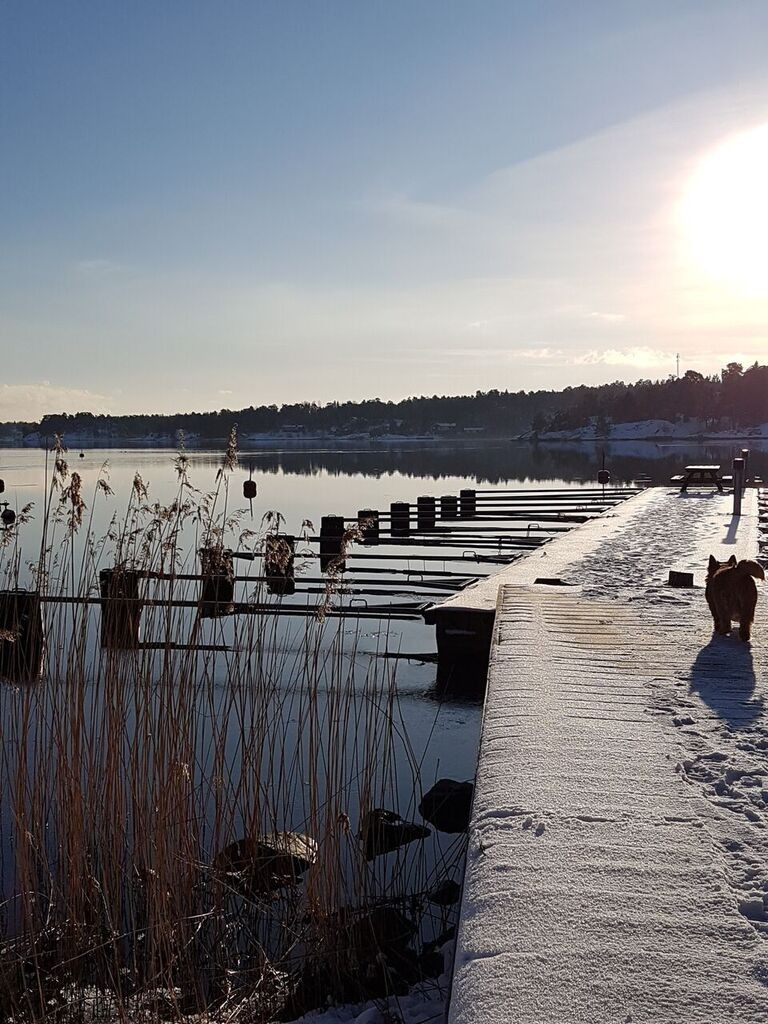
[[735, 398]]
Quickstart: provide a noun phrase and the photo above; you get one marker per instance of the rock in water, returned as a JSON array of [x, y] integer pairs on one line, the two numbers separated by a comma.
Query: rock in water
[[445, 893], [264, 863], [448, 805], [382, 831]]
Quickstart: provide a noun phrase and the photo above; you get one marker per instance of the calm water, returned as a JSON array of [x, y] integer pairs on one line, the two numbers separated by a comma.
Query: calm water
[[307, 484]]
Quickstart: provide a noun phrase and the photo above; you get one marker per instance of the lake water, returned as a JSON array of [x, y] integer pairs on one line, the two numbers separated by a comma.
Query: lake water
[[433, 737], [307, 484]]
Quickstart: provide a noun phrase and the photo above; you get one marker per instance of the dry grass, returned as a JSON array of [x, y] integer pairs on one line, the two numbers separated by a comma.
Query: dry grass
[[127, 772]]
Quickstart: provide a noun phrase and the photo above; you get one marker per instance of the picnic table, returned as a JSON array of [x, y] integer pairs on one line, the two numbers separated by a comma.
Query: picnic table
[[699, 476]]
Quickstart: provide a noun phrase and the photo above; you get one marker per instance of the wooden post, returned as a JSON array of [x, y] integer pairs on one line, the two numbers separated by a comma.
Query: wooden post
[[278, 563], [738, 483], [425, 513], [218, 591], [331, 542], [21, 636], [400, 523], [449, 506], [368, 523], [120, 609], [745, 457], [468, 503]]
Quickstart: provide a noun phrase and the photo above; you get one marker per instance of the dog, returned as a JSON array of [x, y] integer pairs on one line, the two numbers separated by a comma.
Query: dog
[[731, 593]]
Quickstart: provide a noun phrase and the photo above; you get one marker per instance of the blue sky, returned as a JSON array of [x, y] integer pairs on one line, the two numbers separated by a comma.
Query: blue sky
[[208, 205]]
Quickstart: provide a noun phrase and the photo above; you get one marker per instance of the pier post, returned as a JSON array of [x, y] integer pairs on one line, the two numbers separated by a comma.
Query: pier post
[[425, 513], [449, 506], [21, 636], [120, 609], [278, 563], [218, 590], [468, 503], [464, 636], [368, 523], [400, 523], [745, 457], [331, 542], [738, 484]]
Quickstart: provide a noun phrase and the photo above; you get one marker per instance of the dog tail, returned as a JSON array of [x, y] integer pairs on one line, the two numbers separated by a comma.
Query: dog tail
[[751, 569]]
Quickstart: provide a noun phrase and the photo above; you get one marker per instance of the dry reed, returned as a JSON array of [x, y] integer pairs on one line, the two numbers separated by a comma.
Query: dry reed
[[129, 773]]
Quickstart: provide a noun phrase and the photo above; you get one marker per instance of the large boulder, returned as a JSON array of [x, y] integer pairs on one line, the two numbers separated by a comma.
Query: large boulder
[[382, 831], [262, 864], [448, 805]]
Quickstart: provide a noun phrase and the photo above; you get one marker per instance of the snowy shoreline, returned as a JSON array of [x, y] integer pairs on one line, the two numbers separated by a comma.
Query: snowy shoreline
[[651, 430]]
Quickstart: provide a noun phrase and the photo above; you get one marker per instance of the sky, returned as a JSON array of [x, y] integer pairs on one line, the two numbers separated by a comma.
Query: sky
[[215, 205]]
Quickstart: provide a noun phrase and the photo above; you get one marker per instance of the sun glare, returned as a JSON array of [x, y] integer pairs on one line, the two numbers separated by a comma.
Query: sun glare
[[724, 213]]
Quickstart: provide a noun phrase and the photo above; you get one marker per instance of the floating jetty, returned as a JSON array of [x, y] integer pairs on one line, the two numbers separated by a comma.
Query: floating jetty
[[374, 564], [617, 866]]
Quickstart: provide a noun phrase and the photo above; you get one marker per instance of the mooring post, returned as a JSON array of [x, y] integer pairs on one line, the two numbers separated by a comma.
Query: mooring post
[[738, 483], [400, 522], [22, 637], [368, 523], [449, 506], [331, 542], [745, 457], [120, 609], [279, 550], [218, 590], [468, 503], [425, 512]]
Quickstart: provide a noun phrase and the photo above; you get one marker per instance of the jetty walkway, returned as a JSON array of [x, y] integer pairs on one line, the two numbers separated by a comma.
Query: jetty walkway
[[618, 851]]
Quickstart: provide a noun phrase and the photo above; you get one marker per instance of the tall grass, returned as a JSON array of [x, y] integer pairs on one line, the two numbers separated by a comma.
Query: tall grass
[[129, 776]]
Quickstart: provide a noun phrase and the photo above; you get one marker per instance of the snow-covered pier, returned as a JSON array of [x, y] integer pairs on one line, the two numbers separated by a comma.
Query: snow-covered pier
[[618, 852]]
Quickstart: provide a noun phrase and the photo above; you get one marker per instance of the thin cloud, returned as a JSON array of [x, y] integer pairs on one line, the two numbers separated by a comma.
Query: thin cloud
[[540, 353], [415, 212], [640, 357], [96, 268], [28, 402], [608, 318]]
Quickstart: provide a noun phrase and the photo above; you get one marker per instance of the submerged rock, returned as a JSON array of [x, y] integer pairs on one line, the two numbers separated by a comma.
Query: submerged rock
[[265, 863], [363, 953], [382, 831], [445, 893], [448, 805]]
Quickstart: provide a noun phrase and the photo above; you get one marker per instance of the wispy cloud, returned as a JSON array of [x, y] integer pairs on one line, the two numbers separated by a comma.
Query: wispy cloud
[[96, 268], [415, 212], [540, 353], [608, 318], [31, 401], [639, 357]]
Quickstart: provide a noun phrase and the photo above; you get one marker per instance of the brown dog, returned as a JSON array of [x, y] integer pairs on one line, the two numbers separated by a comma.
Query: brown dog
[[732, 594]]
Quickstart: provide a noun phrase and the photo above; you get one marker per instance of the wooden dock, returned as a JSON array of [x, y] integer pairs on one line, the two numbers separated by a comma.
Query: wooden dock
[[618, 853]]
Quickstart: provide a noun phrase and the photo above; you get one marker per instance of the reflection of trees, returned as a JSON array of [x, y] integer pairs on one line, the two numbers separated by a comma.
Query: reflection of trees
[[494, 463]]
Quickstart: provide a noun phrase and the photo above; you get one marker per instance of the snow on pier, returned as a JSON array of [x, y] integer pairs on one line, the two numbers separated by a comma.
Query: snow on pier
[[618, 853]]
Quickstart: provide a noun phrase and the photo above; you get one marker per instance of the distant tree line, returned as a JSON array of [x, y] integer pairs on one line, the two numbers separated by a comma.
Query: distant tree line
[[734, 398]]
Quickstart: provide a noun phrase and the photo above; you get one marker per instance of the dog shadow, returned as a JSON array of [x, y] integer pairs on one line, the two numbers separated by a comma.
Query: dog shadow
[[723, 676]]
